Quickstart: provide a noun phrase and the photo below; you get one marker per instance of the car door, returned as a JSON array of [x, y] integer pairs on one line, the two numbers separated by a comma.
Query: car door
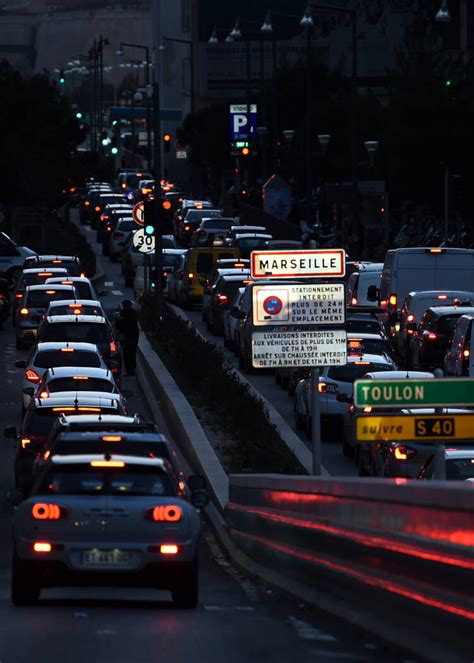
[[453, 357]]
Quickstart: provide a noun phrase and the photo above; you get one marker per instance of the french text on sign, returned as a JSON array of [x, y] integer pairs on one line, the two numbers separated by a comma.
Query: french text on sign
[[301, 304], [408, 428], [275, 349], [298, 264]]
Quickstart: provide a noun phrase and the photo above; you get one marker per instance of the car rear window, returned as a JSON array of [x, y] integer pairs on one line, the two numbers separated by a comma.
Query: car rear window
[[372, 346], [84, 290], [200, 214], [80, 383], [230, 288], [134, 448], [87, 480], [204, 263], [41, 298], [460, 469], [76, 331], [170, 260], [34, 279], [73, 267], [73, 357], [351, 372], [363, 326], [126, 225], [215, 223], [446, 324], [39, 421]]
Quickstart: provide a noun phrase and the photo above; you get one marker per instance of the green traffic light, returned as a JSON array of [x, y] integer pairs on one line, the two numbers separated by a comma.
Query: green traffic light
[[114, 150], [79, 115], [149, 230], [449, 82], [62, 80]]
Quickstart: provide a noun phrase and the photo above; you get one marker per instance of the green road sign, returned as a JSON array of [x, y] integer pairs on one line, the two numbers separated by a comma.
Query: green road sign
[[414, 393]]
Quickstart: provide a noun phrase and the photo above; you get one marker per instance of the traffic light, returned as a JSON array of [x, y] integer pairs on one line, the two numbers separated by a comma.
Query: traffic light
[[245, 151], [448, 82], [166, 142], [149, 217], [62, 78], [79, 115]]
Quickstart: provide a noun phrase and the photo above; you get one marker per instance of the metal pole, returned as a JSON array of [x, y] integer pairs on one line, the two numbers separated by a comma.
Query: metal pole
[[354, 131], [249, 114], [148, 109], [446, 203], [101, 83], [133, 128], [274, 106], [439, 462], [159, 299], [315, 422], [309, 176]]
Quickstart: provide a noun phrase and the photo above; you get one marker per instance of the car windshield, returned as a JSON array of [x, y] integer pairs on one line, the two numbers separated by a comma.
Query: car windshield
[[459, 469], [87, 480], [67, 357], [447, 323], [80, 383], [363, 326], [76, 331], [354, 371], [41, 298]]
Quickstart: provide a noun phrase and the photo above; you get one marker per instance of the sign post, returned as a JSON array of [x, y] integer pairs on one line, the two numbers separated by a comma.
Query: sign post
[[315, 422]]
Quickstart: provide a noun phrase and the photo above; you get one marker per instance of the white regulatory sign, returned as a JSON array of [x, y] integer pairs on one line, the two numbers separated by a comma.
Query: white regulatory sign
[[302, 304], [299, 348], [139, 213], [144, 243], [297, 264]]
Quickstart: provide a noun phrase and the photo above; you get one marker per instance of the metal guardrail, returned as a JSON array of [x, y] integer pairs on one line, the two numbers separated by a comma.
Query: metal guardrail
[[398, 539]]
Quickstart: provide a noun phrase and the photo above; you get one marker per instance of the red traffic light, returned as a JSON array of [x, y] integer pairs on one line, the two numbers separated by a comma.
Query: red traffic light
[[166, 204], [167, 138]]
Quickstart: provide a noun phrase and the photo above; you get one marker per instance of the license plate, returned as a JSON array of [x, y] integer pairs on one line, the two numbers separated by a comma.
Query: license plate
[[106, 557]]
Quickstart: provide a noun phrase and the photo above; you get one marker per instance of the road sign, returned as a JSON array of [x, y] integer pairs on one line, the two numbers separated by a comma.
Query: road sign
[[299, 304], [238, 122], [144, 243], [298, 264], [414, 393], [139, 213], [407, 428], [275, 349]]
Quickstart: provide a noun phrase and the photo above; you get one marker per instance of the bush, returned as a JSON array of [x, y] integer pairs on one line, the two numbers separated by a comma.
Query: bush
[[202, 373]]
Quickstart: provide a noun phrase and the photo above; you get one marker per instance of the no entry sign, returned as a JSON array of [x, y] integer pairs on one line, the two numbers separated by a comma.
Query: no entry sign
[[298, 264], [139, 213]]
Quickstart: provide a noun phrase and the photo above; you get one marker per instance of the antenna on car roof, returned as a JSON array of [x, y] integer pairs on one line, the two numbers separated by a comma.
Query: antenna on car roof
[[76, 400]]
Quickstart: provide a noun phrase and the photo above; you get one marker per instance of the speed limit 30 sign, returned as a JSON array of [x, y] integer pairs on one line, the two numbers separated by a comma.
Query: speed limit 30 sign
[[144, 243]]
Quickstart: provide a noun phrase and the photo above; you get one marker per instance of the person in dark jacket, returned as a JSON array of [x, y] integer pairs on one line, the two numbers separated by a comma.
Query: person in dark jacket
[[126, 325]]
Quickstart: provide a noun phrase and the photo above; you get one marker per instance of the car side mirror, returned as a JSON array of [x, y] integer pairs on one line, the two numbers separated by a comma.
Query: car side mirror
[[411, 326], [14, 496], [21, 363], [199, 499], [10, 432], [196, 482], [127, 393], [29, 391], [372, 293]]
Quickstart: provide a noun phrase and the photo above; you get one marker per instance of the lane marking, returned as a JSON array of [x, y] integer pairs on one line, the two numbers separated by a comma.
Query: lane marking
[[108, 283], [308, 632], [117, 292]]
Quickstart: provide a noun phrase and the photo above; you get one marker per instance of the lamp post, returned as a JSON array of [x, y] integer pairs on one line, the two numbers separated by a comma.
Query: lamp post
[[306, 22], [120, 53]]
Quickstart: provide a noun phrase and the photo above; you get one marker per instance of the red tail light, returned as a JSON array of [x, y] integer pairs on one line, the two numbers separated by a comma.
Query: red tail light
[[32, 376], [18, 295], [354, 301], [72, 189], [86, 203], [410, 318], [113, 346], [168, 513], [223, 299], [97, 208], [24, 311], [43, 394], [432, 337], [404, 453], [45, 511], [103, 217]]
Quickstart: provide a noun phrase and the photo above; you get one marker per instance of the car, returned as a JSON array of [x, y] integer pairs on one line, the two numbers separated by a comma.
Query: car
[[47, 355], [373, 344], [369, 274], [171, 258], [174, 280], [406, 458], [84, 329], [211, 232], [75, 307], [248, 242], [156, 545], [459, 465], [12, 257], [123, 228], [220, 297], [361, 452], [83, 286], [415, 305], [76, 378], [185, 205], [238, 230], [227, 263], [99, 203], [113, 423], [430, 342], [334, 381], [230, 322], [364, 323], [459, 360], [209, 289], [128, 180], [40, 416], [197, 265], [33, 306], [131, 257], [143, 190], [110, 214], [72, 264], [192, 220], [33, 276], [284, 245]]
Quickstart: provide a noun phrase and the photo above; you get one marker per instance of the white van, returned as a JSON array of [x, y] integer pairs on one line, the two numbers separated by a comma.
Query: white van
[[368, 274], [420, 268]]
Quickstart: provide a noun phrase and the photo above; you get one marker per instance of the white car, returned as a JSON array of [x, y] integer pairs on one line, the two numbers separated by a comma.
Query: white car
[[335, 380], [368, 274], [119, 236], [459, 465], [75, 307], [231, 323], [102, 520], [54, 354], [76, 378], [82, 285], [170, 261]]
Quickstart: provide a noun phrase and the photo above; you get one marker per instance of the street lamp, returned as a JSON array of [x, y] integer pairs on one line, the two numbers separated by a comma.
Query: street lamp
[[306, 22], [443, 15], [324, 141], [235, 33], [307, 18], [214, 39], [267, 25]]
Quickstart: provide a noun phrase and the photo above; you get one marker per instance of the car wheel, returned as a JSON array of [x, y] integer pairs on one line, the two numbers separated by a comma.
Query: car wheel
[[186, 593], [25, 589], [347, 449]]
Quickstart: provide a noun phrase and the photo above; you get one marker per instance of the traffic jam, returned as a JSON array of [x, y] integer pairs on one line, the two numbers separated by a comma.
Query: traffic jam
[[383, 370]]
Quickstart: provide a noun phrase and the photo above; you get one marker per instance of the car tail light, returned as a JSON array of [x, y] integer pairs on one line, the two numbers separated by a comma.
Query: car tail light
[[72, 189], [146, 191], [169, 549], [239, 264], [103, 217], [80, 377], [44, 394], [404, 453], [111, 438], [166, 513], [410, 317], [117, 236], [222, 299], [42, 547], [86, 203], [24, 311], [113, 347], [123, 185], [435, 250], [432, 337], [50, 292], [32, 376], [327, 388], [367, 409], [25, 441], [362, 363], [190, 277], [82, 275], [466, 353], [352, 408], [442, 296], [187, 228], [46, 275], [392, 300], [97, 208], [45, 511], [108, 228], [354, 301], [18, 295]]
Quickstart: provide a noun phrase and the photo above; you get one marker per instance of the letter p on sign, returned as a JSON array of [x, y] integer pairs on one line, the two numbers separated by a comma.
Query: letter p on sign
[[240, 121]]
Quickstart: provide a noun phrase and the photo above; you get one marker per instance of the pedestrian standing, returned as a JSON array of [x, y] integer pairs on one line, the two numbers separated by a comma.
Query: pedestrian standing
[[126, 325]]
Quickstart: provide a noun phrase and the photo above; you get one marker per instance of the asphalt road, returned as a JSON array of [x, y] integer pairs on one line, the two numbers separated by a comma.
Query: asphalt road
[[237, 620]]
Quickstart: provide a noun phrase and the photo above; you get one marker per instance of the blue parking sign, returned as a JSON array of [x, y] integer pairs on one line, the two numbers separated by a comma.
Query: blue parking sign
[[238, 122]]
